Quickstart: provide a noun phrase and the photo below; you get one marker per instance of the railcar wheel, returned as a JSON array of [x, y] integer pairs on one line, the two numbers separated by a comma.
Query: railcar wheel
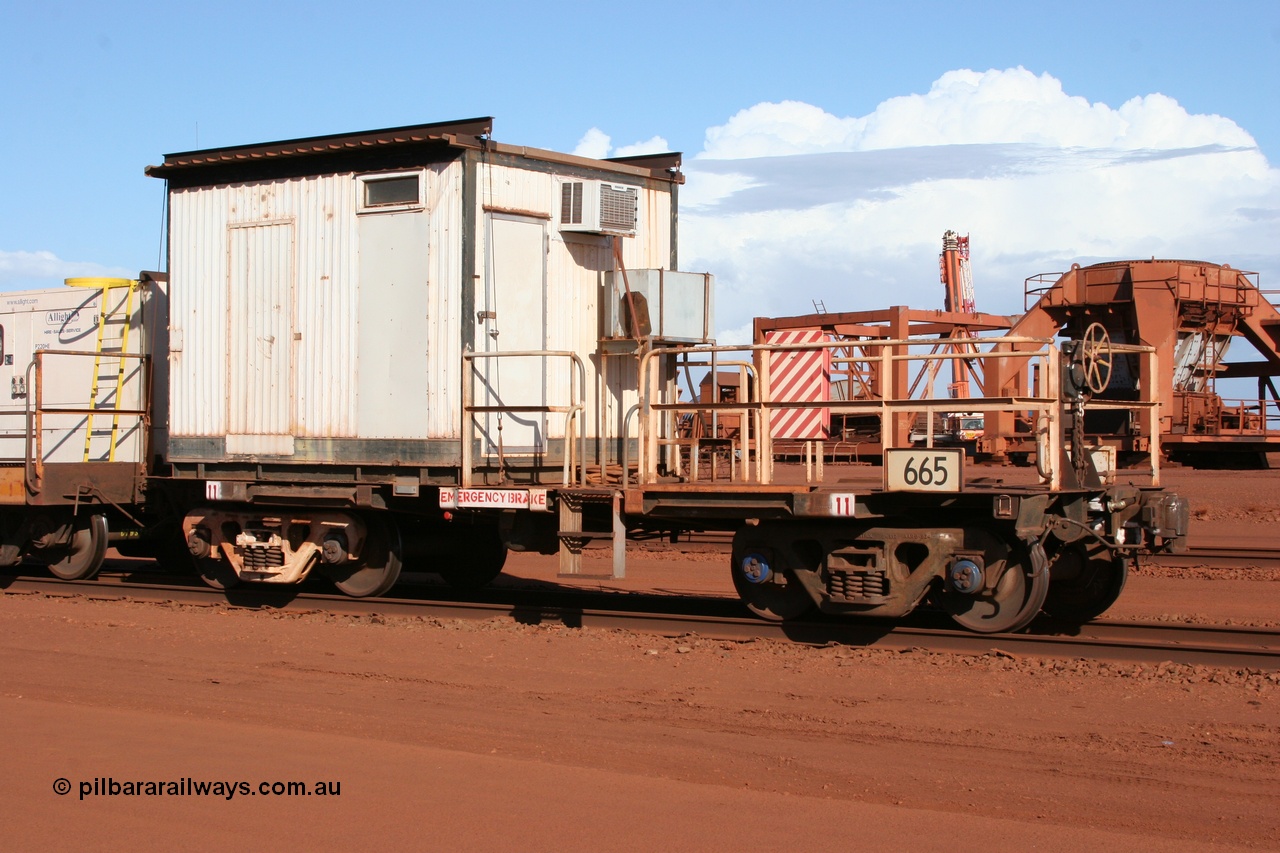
[[198, 553], [769, 592], [477, 563], [10, 539], [1010, 604], [216, 573], [1090, 591], [83, 557], [379, 565]]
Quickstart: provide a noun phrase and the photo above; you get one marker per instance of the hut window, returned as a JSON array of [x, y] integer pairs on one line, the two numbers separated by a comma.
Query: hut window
[[394, 191]]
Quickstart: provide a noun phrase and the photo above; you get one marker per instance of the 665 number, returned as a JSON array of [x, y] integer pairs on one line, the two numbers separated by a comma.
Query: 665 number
[[928, 471]]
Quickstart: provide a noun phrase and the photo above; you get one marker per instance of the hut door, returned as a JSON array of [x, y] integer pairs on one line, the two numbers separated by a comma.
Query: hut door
[[260, 319], [516, 296]]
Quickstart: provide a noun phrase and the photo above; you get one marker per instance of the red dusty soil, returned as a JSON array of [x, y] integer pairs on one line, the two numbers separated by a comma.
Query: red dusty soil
[[499, 736]]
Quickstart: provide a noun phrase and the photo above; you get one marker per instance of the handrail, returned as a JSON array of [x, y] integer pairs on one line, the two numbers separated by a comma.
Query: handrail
[[748, 424], [1044, 400], [1045, 282], [577, 390], [626, 445], [33, 463], [1263, 410]]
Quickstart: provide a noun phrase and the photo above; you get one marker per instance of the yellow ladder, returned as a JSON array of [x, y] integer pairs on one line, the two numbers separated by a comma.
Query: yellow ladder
[[108, 315]]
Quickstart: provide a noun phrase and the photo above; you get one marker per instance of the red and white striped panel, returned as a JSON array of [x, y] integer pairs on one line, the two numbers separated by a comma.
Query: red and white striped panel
[[799, 376]]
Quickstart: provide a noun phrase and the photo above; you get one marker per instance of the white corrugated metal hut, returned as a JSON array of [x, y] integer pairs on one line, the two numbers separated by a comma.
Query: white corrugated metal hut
[[323, 292]]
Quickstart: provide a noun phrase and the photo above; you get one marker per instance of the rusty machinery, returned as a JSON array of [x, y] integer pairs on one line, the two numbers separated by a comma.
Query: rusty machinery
[[1189, 311]]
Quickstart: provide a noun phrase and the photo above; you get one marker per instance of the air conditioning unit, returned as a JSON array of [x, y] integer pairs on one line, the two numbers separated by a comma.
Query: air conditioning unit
[[598, 207]]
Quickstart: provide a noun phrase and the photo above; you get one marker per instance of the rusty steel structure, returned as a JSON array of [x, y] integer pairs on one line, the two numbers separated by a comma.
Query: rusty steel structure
[[952, 336], [1191, 312]]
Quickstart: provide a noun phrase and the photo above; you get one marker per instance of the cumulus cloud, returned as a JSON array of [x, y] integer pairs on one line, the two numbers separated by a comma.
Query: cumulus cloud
[[967, 107], [788, 203], [34, 270], [594, 143], [652, 145], [598, 144]]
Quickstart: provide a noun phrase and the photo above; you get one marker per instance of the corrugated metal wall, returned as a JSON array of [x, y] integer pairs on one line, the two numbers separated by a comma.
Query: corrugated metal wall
[[322, 297], [322, 250]]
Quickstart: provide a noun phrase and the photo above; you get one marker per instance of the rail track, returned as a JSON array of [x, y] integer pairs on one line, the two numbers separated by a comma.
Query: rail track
[[1206, 554], [709, 617], [1218, 556]]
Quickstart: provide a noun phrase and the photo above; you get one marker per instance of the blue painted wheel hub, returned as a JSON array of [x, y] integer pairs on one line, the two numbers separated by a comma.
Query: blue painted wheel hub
[[755, 568], [965, 576]]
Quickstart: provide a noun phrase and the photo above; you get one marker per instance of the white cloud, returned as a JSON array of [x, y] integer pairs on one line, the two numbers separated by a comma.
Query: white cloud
[[594, 143], [966, 107], [598, 144], [653, 145], [788, 203], [34, 270]]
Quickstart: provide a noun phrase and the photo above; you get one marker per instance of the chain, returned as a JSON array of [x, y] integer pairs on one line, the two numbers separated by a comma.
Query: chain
[[1077, 437]]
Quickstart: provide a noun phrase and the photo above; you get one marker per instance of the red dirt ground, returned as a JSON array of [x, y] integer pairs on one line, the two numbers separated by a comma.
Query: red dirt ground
[[498, 736]]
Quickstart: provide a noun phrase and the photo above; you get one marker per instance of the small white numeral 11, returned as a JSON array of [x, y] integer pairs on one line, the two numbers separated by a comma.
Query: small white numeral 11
[[842, 504]]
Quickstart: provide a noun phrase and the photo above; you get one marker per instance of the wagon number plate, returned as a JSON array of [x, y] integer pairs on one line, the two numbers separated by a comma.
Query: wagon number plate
[[841, 504], [924, 469]]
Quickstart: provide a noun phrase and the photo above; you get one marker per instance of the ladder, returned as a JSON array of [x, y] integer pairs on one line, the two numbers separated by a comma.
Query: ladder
[[574, 533], [114, 313]]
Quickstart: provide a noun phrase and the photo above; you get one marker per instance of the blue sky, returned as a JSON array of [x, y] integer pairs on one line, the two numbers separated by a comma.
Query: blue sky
[[828, 145]]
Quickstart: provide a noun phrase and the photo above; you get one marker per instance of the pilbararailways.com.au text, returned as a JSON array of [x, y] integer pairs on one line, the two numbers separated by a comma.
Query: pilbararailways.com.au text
[[107, 786]]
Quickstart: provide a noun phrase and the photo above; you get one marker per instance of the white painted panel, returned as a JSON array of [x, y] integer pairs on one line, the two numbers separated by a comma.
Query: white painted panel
[[394, 319], [260, 331], [325, 308], [576, 263]]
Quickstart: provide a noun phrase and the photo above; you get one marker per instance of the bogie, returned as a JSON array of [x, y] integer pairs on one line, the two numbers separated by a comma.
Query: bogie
[[981, 575], [360, 553]]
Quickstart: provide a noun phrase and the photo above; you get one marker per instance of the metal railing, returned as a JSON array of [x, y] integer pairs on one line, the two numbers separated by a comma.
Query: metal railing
[[35, 412], [574, 458], [1244, 416], [1039, 357], [1036, 286]]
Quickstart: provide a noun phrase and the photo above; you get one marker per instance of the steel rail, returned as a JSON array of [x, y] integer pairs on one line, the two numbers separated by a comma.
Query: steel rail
[[1219, 557], [1217, 646]]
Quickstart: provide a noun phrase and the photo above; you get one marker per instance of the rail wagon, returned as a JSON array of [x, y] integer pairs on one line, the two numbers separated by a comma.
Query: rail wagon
[[76, 418], [420, 344]]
